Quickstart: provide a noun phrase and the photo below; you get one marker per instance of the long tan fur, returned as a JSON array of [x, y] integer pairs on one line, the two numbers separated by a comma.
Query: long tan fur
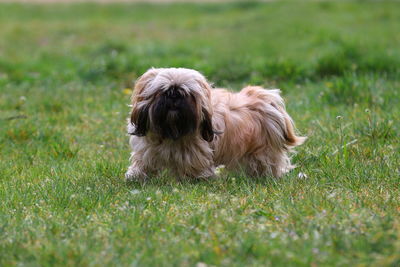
[[253, 131]]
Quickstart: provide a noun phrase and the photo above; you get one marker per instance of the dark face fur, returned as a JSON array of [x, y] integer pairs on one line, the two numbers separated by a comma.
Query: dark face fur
[[173, 114]]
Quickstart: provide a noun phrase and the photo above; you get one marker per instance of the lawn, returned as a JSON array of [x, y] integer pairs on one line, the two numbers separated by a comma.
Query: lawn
[[65, 77]]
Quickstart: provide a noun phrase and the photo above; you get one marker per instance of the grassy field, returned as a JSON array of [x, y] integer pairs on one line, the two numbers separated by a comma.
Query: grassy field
[[65, 71]]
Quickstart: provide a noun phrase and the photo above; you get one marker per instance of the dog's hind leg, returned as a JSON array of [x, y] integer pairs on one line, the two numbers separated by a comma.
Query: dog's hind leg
[[267, 163]]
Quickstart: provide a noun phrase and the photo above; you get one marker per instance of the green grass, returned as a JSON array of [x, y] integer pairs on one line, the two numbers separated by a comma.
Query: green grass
[[64, 151]]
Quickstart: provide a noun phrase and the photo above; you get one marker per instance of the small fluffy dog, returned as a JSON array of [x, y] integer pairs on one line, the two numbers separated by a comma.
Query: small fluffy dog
[[178, 122]]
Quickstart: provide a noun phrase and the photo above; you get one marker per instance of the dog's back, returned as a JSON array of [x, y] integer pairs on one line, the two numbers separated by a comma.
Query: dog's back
[[256, 130]]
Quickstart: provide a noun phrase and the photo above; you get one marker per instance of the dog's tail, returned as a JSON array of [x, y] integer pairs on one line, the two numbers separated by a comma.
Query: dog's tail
[[280, 126], [290, 134]]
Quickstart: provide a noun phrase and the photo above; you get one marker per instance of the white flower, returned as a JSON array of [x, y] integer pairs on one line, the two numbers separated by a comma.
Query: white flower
[[331, 195], [302, 175], [135, 192]]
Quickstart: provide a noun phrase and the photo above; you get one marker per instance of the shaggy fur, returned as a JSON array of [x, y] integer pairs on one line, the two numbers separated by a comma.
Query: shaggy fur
[[178, 122]]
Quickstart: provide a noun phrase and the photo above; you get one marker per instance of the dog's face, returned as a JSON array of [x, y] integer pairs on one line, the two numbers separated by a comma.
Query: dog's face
[[172, 103]]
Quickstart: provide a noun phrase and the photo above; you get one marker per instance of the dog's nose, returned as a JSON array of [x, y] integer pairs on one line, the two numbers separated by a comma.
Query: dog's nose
[[174, 95]]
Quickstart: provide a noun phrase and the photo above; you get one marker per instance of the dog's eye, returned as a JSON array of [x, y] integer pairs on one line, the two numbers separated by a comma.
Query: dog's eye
[[174, 94]]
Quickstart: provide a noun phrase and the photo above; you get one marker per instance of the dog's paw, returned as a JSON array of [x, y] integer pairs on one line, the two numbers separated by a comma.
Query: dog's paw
[[209, 174], [134, 175], [220, 171]]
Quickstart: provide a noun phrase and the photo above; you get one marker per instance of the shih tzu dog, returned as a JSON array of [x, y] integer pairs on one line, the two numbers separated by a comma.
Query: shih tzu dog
[[178, 122]]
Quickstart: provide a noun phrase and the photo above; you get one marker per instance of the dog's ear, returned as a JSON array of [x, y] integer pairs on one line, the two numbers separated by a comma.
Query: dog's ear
[[140, 118], [139, 113], [206, 128]]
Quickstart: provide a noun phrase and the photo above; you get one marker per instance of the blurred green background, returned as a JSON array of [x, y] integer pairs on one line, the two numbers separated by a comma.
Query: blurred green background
[[66, 73]]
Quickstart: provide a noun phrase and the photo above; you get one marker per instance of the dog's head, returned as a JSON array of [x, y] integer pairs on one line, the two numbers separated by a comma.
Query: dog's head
[[172, 103]]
